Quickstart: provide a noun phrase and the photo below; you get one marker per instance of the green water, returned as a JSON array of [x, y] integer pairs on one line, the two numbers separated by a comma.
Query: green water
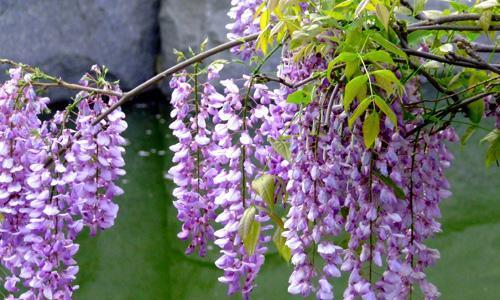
[[141, 258]]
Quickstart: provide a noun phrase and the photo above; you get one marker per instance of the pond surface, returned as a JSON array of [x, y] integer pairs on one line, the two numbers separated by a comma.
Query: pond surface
[[141, 257]]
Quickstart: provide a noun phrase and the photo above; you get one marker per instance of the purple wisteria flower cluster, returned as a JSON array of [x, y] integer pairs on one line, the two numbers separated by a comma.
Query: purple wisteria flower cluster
[[56, 178], [346, 208]]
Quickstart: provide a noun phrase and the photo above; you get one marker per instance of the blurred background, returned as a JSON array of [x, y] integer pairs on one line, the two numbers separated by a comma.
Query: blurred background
[[141, 257]]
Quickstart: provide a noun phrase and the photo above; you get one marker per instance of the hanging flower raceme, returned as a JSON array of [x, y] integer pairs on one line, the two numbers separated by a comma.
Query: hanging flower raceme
[[43, 204], [338, 159]]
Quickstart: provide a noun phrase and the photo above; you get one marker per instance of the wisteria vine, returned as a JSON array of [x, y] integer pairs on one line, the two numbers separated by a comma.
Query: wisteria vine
[[337, 160], [353, 192]]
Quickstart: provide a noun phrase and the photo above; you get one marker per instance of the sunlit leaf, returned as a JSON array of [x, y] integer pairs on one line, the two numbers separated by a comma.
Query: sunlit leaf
[[249, 230], [371, 129], [383, 15], [485, 20], [282, 148], [378, 56], [487, 4], [386, 109], [419, 5], [359, 111], [352, 88], [264, 186], [387, 45], [279, 242], [299, 97]]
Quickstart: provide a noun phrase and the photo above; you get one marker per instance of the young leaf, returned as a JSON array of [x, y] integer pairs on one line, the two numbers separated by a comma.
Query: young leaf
[[387, 74], [386, 109], [359, 110], [252, 239], [475, 111], [249, 230], [371, 129], [467, 134], [272, 4], [493, 152], [279, 242], [299, 97], [282, 148], [419, 6], [351, 68], [387, 45], [398, 192], [487, 4], [352, 88], [344, 57], [383, 15], [264, 186], [378, 56]]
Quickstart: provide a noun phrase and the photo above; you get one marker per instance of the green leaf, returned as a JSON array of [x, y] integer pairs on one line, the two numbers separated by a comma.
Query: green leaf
[[385, 79], [282, 148], [388, 75], [493, 151], [419, 6], [299, 97], [359, 111], [386, 109], [352, 88], [344, 57], [378, 56], [467, 134], [398, 192], [351, 68], [475, 111], [252, 239], [383, 15], [344, 4], [487, 4], [272, 4], [264, 186], [280, 243], [249, 230], [485, 20], [387, 45], [371, 129]]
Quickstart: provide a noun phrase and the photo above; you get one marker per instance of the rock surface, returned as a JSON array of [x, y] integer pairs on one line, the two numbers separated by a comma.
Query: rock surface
[[65, 38]]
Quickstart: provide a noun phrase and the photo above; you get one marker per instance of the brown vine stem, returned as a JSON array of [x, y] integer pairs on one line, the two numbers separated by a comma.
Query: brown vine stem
[[58, 82], [461, 63], [449, 109], [161, 76], [452, 27], [412, 212], [453, 18]]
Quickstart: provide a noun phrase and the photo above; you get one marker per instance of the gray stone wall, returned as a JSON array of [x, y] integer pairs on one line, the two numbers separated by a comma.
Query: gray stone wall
[[134, 38]]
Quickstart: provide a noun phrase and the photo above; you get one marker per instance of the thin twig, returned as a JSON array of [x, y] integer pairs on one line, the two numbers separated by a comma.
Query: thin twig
[[161, 76], [452, 27], [413, 52], [58, 82], [452, 18]]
